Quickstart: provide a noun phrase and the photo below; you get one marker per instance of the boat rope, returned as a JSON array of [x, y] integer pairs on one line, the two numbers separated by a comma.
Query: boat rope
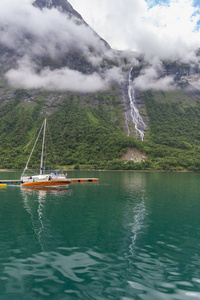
[[33, 149]]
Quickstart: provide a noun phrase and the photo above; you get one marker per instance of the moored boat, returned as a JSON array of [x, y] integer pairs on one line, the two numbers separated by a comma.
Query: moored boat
[[55, 178], [47, 180]]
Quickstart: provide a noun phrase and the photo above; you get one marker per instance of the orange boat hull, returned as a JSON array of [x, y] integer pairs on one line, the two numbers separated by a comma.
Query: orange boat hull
[[53, 182]]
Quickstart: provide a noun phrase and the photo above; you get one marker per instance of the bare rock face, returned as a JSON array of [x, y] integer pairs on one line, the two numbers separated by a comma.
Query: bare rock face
[[62, 5], [65, 7], [134, 155]]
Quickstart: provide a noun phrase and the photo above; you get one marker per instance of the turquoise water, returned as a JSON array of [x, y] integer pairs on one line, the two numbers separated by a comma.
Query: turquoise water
[[130, 236]]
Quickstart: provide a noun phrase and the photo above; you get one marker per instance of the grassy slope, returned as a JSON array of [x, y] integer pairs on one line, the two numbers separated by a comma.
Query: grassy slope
[[88, 130], [85, 129], [174, 130]]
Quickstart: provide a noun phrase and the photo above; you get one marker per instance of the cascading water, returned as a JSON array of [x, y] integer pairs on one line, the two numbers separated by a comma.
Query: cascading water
[[135, 115], [126, 120]]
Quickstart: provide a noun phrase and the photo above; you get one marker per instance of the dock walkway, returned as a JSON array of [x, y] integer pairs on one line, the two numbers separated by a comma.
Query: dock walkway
[[76, 180], [10, 181]]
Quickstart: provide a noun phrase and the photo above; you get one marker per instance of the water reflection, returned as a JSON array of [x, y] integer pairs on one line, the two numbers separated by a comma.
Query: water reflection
[[44, 191], [36, 217], [138, 223], [2, 189], [34, 202], [135, 210]]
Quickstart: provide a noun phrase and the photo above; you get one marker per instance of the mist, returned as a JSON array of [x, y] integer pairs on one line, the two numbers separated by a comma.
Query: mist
[[32, 33], [28, 77], [165, 29], [158, 30], [161, 32]]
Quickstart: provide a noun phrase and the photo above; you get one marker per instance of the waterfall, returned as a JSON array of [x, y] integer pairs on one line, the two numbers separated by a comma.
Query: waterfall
[[135, 115], [126, 120]]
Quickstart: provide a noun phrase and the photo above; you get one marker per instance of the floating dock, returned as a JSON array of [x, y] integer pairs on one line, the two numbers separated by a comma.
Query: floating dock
[[10, 181], [77, 180]]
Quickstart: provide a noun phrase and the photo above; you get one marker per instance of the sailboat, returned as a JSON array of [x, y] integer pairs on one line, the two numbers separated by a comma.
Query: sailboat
[[55, 178]]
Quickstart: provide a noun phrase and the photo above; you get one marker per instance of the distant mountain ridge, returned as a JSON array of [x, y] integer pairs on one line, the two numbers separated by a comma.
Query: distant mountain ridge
[[62, 5], [33, 45], [65, 7]]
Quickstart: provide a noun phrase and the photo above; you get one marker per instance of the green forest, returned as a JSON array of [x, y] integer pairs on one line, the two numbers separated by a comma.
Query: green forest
[[87, 136]]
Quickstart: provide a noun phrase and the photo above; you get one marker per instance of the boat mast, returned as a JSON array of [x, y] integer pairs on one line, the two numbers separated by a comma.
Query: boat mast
[[41, 164], [26, 167]]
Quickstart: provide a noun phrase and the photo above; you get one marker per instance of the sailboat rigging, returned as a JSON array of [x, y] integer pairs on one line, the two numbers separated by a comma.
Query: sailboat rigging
[[43, 180]]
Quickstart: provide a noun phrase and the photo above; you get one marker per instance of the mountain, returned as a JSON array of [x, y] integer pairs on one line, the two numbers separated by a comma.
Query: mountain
[[100, 106], [65, 7], [58, 40], [62, 5]]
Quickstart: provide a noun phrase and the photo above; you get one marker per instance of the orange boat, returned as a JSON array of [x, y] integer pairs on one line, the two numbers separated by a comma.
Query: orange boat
[[46, 183], [55, 178]]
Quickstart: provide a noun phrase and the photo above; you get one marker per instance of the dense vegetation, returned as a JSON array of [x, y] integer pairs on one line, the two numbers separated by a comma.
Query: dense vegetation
[[84, 135], [174, 130], [80, 134]]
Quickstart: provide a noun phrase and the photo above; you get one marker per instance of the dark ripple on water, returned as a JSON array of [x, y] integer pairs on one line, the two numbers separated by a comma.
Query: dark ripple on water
[[78, 274], [74, 273]]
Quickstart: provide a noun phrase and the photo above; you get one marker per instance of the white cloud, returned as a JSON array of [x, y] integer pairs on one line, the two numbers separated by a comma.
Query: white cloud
[[165, 30], [153, 77], [27, 76], [193, 80], [47, 32], [32, 32]]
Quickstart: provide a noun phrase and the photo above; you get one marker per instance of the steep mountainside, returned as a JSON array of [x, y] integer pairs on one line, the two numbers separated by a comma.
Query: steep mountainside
[[99, 103], [62, 5], [60, 39], [65, 7]]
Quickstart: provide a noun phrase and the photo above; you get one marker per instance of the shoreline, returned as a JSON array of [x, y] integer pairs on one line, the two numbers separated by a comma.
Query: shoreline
[[90, 170]]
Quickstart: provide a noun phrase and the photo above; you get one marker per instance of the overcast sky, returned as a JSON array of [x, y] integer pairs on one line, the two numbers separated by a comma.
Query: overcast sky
[[164, 28]]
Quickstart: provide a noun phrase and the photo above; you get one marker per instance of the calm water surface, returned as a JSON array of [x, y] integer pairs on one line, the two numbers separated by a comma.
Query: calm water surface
[[132, 236]]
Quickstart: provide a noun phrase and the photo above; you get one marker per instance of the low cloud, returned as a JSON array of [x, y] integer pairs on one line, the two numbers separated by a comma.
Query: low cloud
[[29, 30], [34, 33], [153, 77], [160, 32], [28, 77], [193, 81]]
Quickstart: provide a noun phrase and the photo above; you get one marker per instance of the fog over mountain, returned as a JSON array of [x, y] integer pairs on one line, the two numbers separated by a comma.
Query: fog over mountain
[[47, 44], [159, 30], [144, 95], [52, 30], [168, 29]]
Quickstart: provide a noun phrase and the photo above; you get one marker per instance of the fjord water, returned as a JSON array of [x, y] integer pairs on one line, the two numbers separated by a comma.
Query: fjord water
[[131, 236]]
